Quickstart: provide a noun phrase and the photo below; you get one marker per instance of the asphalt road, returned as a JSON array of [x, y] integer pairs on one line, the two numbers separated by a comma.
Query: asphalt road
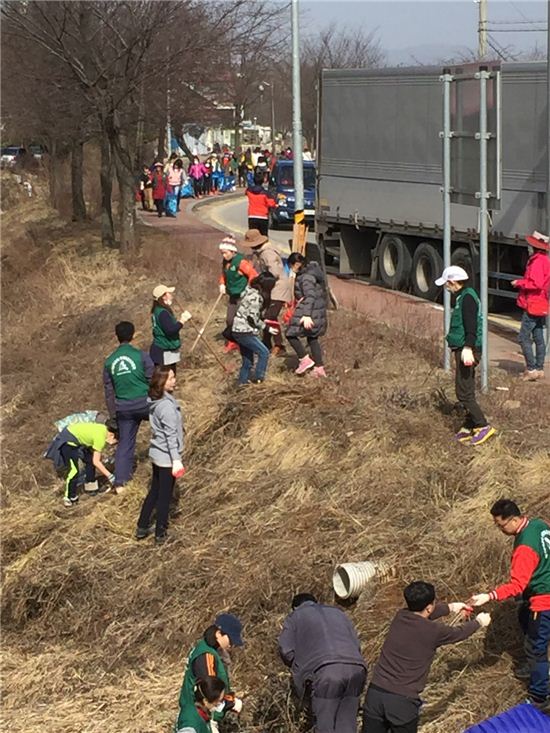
[[231, 216]]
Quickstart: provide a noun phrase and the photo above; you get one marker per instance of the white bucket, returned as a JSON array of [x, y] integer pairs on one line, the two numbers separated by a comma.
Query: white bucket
[[350, 578]]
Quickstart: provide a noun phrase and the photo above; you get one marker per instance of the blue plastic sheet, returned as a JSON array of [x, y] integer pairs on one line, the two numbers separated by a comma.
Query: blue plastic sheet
[[521, 719]]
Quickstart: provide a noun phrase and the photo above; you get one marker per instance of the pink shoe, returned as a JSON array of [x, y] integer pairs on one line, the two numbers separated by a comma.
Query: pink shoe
[[318, 371], [230, 346], [304, 364]]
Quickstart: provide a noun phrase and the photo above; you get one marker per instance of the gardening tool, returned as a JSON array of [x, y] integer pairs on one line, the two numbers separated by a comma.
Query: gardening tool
[[206, 343], [206, 322]]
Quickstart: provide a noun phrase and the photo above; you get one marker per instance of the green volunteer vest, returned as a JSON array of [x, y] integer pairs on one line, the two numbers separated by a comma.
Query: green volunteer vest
[[235, 281], [125, 365], [187, 694], [189, 717], [456, 336], [537, 536], [159, 337]]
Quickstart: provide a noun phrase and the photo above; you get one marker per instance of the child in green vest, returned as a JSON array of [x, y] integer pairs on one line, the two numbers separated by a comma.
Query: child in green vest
[[165, 349], [196, 716], [464, 339]]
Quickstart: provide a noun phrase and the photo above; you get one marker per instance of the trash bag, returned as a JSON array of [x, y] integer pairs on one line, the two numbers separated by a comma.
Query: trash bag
[[187, 191], [171, 204]]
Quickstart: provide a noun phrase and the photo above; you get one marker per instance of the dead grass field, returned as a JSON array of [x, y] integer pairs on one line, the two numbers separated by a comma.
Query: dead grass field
[[284, 480]]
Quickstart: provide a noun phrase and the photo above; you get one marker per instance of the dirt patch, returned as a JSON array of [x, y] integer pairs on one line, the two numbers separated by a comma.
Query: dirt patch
[[284, 480]]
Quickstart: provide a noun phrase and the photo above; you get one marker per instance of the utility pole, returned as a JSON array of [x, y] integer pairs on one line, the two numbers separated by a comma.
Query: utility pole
[[299, 226], [482, 30]]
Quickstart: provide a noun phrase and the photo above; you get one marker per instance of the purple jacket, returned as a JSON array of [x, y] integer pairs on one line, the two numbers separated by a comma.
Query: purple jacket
[[197, 170]]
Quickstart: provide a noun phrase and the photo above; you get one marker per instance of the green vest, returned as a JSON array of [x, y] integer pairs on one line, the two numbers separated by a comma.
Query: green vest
[[235, 281], [456, 336], [159, 337], [189, 717], [536, 535], [187, 693], [125, 365]]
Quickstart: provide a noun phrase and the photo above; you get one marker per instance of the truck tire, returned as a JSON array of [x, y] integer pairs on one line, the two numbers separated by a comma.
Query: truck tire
[[462, 257], [427, 265], [394, 262]]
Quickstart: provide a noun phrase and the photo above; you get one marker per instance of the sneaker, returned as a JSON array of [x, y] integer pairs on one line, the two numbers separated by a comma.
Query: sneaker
[[537, 702], [91, 487], [230, 346], [480, 435], [304, 364], [160, 539], [540, 373], [523, 672], [317, 372], [143, 532], [464, 435], [531, 375], [70, 502]]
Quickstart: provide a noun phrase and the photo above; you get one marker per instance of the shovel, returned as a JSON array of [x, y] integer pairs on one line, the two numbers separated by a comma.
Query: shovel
[[206, 343]]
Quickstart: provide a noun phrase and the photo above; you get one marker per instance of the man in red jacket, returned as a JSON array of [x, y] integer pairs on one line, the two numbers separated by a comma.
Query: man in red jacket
[[533, 288], [530, 578], [259, 204]]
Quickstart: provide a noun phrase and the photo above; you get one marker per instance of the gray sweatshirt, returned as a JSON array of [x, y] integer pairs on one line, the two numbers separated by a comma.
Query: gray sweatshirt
[[166, 423]]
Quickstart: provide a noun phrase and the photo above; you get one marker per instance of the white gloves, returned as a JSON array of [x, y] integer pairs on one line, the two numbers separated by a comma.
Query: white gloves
[[483, 619], [457, 606], [185, 316], [306, 322], [480, 599], [222, 289], [177, 469], [467, 356], [237, 705]]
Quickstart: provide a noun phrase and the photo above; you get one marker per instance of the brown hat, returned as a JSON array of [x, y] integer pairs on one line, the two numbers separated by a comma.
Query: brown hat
[[538, 241], [253, 238]]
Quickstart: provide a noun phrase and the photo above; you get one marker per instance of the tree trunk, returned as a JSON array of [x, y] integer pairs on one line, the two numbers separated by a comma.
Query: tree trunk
[[77, 181], [53, 173], [106, 177], [162, 140]]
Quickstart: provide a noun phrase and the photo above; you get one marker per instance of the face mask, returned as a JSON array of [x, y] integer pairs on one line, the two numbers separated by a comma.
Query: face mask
[[219, 708]]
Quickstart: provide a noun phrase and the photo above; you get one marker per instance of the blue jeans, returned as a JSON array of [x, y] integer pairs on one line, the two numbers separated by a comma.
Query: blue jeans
[[128, 425], [250, 345], [536, 627], [532, 329]]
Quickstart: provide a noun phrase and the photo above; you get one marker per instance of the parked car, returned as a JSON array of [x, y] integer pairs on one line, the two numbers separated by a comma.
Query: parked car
[[8, 155], [281, 187]]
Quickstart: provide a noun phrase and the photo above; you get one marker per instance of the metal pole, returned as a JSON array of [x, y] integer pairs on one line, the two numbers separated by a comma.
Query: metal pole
[[548, 158], [482, 30], [273, 147], [447, 81], [483, 75], [297, 119]]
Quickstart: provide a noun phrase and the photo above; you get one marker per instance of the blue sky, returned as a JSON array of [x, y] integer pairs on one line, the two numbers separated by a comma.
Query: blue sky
[[402, 26]]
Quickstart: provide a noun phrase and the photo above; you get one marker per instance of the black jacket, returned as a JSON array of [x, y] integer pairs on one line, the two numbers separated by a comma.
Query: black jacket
[[310, 291]]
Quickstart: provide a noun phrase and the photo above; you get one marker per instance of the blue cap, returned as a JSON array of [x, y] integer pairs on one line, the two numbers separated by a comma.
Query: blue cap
[[230, 625]]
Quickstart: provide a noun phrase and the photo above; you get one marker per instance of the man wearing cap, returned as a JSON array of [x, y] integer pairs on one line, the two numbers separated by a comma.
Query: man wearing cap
[[533, 288], [320, 645], [464, 339], [237, 272], [210, 658], [267, 258], [166, 329], [126, 375]]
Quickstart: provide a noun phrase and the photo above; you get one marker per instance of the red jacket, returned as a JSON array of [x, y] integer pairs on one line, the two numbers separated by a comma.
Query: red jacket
[[160, 187], [534, 286], [259, 202]]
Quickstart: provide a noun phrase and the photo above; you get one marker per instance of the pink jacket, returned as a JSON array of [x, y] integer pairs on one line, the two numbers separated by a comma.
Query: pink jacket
[[534, 286], [197, 170]]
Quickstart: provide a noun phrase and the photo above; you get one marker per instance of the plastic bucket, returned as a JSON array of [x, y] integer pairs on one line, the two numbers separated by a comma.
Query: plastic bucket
[[350, 578]]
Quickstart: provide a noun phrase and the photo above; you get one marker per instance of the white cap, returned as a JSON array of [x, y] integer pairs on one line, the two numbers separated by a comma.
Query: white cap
[[159, 291], [454, 273]]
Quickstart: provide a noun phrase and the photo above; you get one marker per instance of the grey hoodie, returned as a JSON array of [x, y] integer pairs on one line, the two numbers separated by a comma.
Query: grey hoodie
[[166, 423]]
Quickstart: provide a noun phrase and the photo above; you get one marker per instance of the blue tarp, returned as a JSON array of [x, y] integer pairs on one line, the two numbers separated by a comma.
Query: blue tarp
[[521, 719]]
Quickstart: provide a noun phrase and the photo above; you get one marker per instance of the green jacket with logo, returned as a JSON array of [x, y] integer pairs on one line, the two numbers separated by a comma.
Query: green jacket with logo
[[191, 720], [214, 667], [235, 281], [160, 339], [536, 535], [456, 337]]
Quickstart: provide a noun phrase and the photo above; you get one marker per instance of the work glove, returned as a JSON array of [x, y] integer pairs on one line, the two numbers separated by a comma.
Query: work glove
[[222, 289], [480, 599], [483, 619], [457, 606], [306, 322], [185, 316], [177, 469], [273, 331], [467, 356], [111, 478], [237, 705]]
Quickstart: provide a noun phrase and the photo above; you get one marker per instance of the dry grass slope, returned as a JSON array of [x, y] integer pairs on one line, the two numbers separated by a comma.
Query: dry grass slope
[[284, 480]]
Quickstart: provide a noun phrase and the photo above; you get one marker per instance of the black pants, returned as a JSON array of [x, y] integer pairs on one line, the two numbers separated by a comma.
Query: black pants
[[385, 712], [261, 224], [159, 204], [71, 454], [207, 184], [272, 314], [314, 348], [197, 186], [159, 496], [465, 388]]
